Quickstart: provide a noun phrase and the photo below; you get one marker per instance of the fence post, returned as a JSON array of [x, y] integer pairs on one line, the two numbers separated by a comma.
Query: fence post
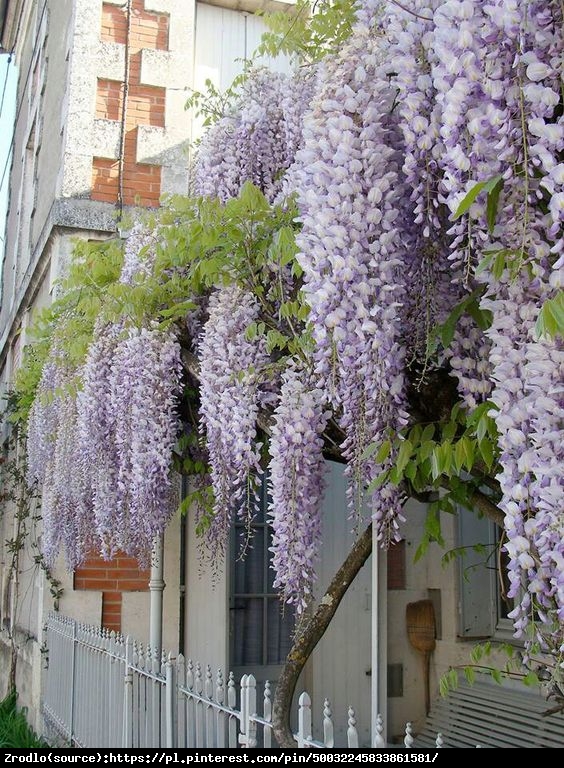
[[128, 695], [352, 733], [267, 715], [169, 702], [251, 710], [232, 703], [243, 713], [378, 736], [328, 732], [247, 737], [304, 719]]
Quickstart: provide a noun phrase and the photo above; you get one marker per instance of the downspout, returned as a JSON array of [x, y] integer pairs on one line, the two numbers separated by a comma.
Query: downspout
[[182, 579], [122, 129], [156, 588], [379, 698]]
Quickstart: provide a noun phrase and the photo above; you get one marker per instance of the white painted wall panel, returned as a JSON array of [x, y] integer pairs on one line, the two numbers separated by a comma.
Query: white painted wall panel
[[342, 660], [224, 39], [206, 613]]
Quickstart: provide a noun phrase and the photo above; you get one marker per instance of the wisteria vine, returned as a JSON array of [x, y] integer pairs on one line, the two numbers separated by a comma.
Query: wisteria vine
[[381, 144]]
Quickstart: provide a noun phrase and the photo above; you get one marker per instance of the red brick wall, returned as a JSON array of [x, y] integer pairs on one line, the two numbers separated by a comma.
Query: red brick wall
[[396, 565], [114, 23], [141, 183], [148, 30], [108, 99], [112, 578]]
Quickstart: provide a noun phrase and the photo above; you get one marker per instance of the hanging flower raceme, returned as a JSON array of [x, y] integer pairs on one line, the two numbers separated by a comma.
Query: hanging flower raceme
[[231, 367], [257, 141], [144, 387], [351, 199], [431, 290], [528, 374], [102, 451], [296, 485], [96, 432], [43, 419], [138, 254], [54, 463], [66, 501]]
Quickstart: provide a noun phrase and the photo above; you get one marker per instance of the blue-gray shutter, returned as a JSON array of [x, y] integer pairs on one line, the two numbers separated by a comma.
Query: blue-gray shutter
[[477, 577]]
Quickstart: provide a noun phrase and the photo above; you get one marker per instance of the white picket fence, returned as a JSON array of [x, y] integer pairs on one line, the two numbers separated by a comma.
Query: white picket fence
[[104, 690]]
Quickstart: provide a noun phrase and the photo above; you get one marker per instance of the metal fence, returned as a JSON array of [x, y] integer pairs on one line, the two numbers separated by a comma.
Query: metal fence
[[104, 690]]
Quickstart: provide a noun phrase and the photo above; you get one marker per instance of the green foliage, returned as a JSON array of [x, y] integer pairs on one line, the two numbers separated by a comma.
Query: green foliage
[[481, 662], [310, 31], [213, 104], [470, 305], [493, 188], [68, 322], [550, 321], [200, 244], [15, 732], [451, 455]]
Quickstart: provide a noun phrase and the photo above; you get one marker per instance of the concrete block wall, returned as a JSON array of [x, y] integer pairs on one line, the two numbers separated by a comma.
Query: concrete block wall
[[155, 128]]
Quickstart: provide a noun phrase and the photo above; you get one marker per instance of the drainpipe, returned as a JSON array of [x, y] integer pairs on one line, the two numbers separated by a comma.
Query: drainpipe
[[379, 703], [156, 587]]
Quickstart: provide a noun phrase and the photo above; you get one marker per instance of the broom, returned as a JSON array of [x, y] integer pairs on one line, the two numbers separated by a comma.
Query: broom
[[420, 619]]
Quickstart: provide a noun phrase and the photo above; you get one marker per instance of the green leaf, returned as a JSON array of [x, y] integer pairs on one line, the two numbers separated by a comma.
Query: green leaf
[[470, 674], [421, 550], [531, 678], [550, 321], [382, 451], [476, 654], [487, 452], [459, 454], [404, 454], [443, 686], [492, 202], [472, 194], [378, 481], [428, 433], [496, 675], [426, 450], [499, 265], [449, 430]]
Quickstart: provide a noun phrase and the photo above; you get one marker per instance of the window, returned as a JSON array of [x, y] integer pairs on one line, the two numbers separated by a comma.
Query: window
[[260, 625], [483, 606]]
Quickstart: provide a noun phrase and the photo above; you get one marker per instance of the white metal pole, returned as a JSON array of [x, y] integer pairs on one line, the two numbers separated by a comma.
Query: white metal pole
[[379, 642], [156, 587]]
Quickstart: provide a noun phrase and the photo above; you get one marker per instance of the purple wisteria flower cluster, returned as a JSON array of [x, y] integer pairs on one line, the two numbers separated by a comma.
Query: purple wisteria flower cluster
[[256, 141], [498, 80], [352, 201], [56, 464], [103, 453], [231, 371], [296, 473]]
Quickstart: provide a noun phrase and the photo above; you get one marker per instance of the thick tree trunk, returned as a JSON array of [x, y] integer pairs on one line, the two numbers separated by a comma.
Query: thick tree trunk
[[309, 635]]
